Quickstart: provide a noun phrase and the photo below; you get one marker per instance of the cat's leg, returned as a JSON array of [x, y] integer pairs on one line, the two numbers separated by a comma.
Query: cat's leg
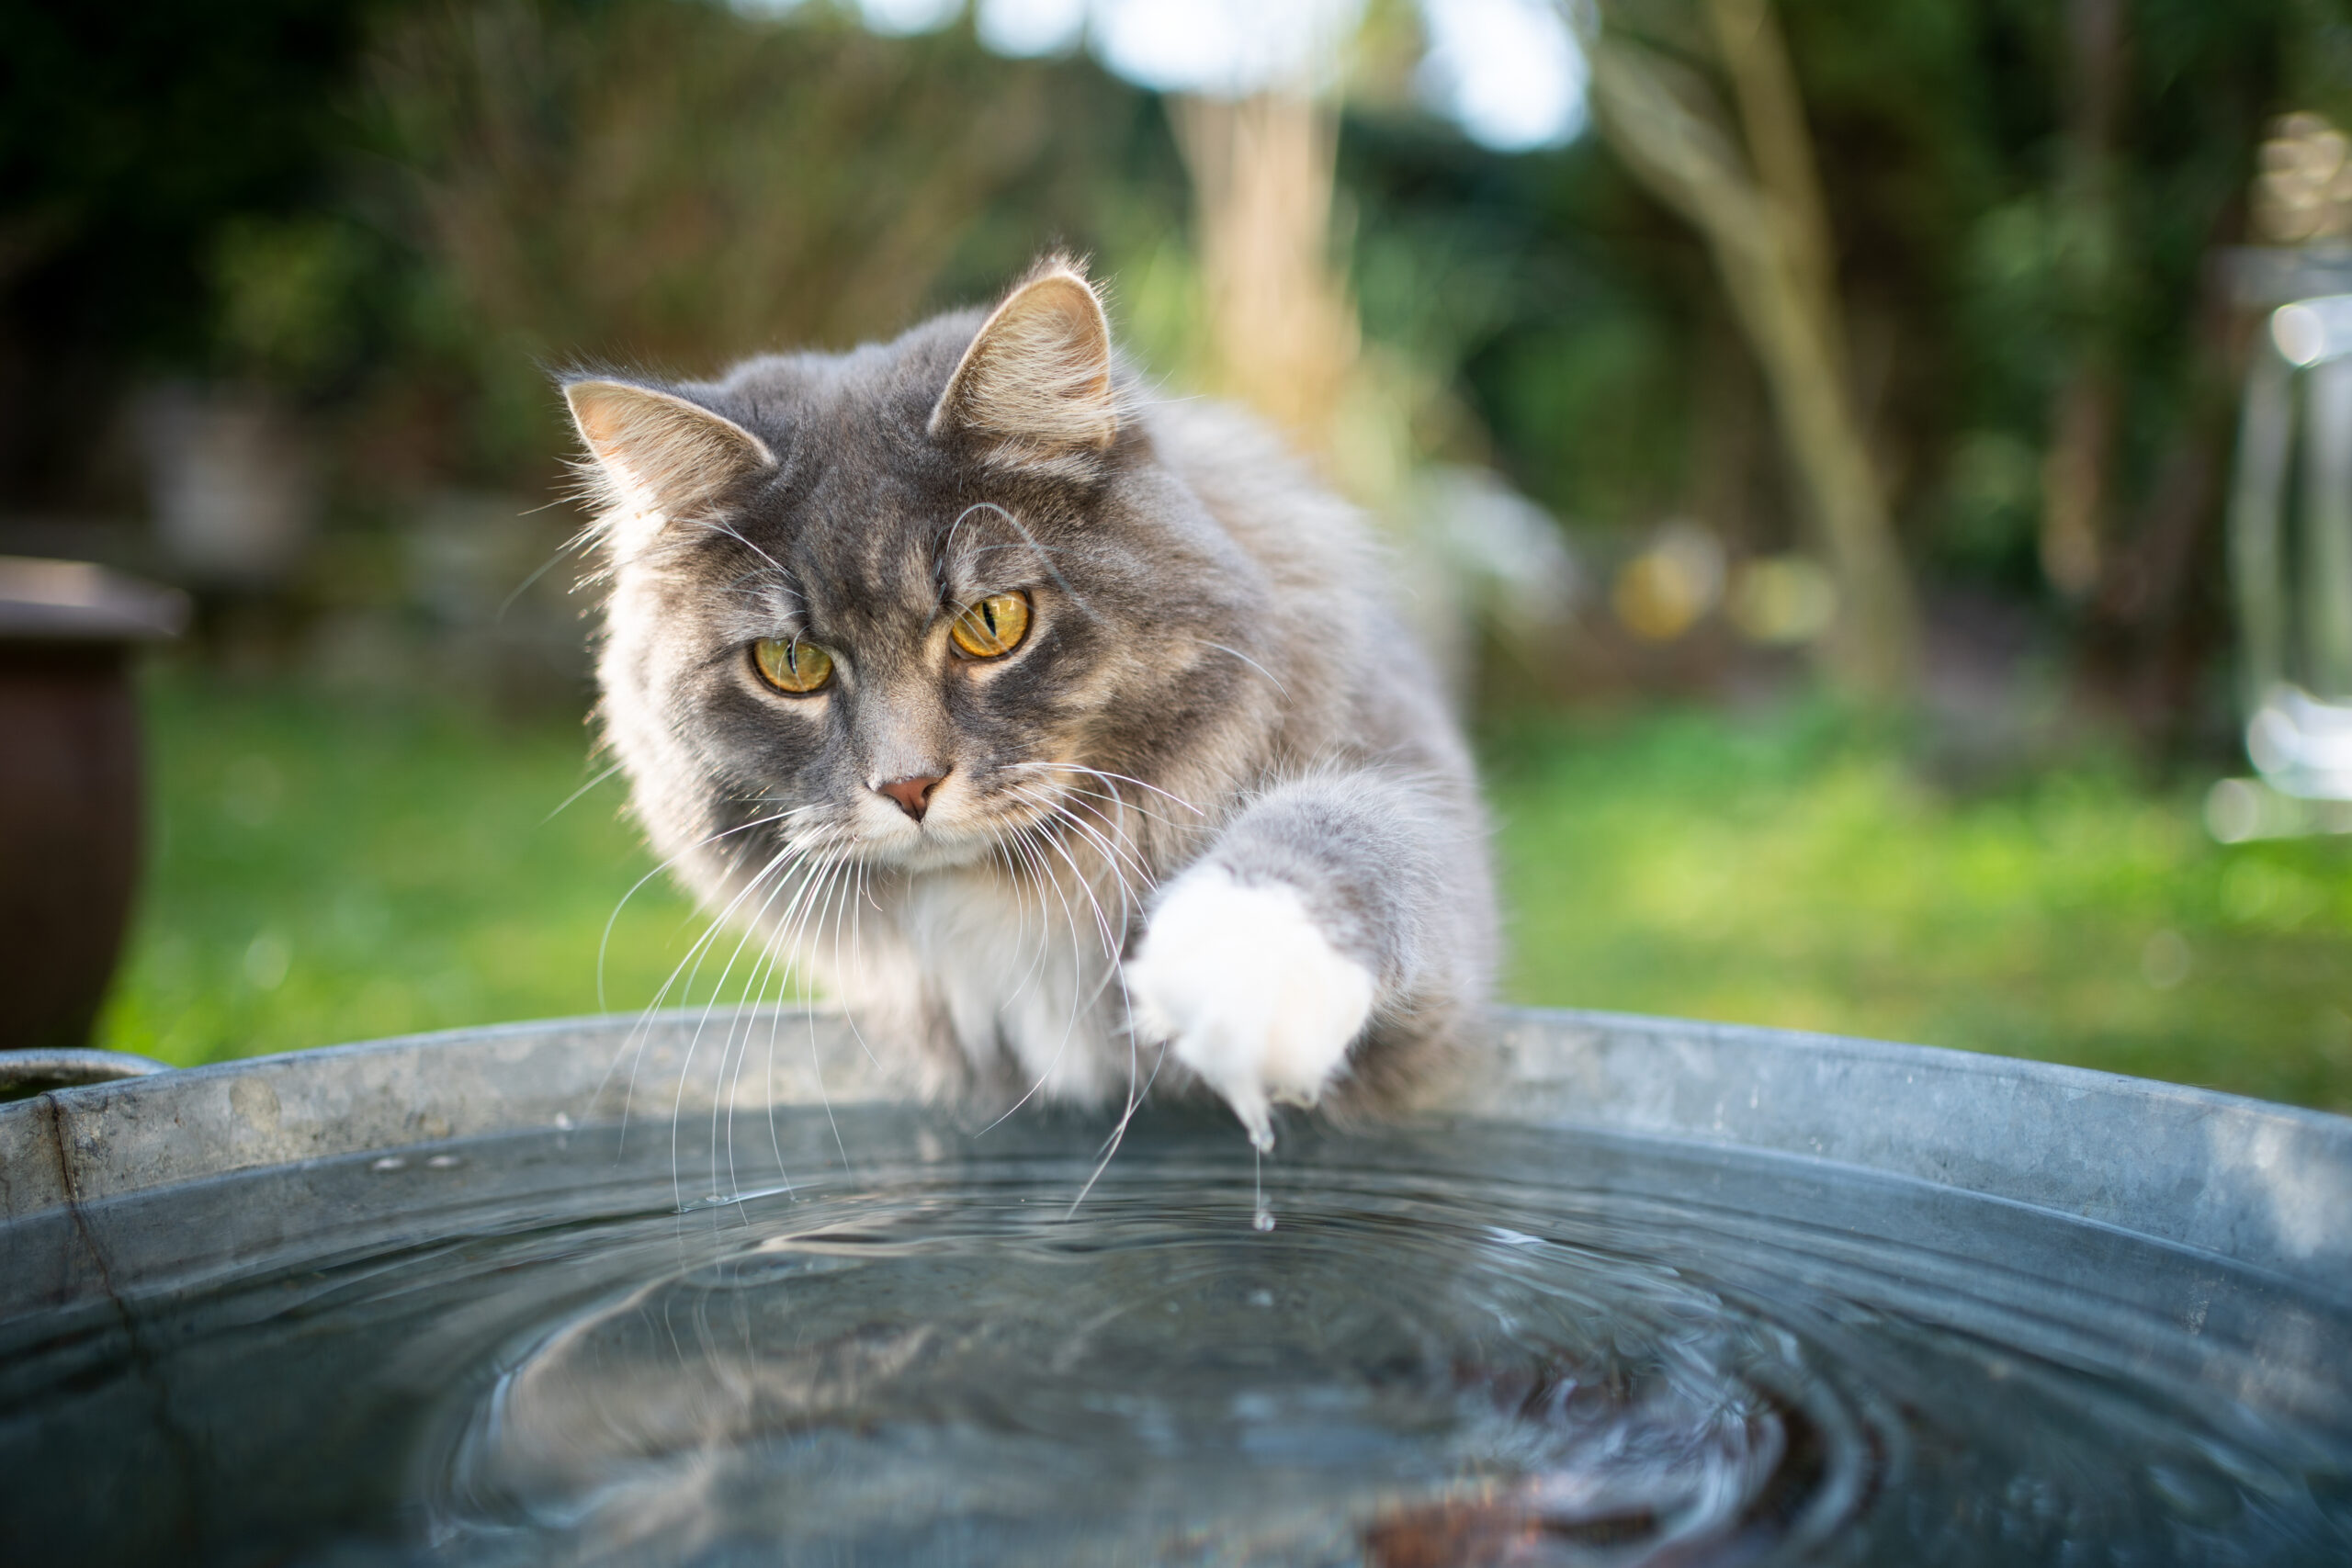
[[1330, 903]]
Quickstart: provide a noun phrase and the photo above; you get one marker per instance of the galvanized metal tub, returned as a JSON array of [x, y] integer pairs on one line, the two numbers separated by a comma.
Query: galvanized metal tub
[[117, 1196]]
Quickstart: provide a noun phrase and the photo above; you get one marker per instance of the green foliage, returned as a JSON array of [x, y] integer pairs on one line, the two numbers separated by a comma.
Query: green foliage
[[1793, 870], [322, 872], [1609, 400], [1996, 254], [1978, 266], [130, 132], [132, 136], [1561, 302], [286, 289], [677, 186]]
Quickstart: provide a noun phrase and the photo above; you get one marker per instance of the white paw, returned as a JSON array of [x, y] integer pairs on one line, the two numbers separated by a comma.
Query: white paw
[[1250, 994]]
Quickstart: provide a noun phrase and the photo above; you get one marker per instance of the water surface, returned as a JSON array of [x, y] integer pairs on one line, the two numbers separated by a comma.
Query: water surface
[[1460, 1343]]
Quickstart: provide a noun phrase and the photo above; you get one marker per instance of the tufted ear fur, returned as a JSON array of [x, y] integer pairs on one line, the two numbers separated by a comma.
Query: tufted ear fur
[[1034, 388], [657, 456]]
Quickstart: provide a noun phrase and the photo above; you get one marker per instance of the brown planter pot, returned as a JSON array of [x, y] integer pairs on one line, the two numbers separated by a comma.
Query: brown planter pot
[[72, 811]]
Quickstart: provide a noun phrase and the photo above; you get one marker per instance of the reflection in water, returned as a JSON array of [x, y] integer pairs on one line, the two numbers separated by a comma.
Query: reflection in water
[[1461, 1345], [924, 1375]]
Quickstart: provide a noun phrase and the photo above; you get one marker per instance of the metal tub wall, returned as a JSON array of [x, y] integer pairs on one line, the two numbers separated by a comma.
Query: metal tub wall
[[2265, 1186]]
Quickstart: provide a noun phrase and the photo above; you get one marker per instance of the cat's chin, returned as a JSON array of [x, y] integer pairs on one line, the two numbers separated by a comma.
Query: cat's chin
[[932, 851]]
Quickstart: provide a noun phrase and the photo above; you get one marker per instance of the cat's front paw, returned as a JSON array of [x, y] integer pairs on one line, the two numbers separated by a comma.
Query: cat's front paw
[[1248, 992]]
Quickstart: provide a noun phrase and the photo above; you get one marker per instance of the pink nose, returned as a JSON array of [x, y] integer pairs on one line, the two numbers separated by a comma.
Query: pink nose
[[913, 795]]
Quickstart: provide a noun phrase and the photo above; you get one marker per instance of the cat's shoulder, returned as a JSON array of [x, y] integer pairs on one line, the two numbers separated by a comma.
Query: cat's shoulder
[[1267, 497]]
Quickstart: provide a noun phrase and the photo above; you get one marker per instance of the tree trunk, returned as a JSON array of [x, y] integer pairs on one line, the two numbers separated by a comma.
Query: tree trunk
[[1763, 218], [1281, 334], [2076, 474]]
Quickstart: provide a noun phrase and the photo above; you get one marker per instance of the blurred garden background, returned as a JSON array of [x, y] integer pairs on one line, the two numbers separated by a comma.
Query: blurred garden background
[[1806, 428]]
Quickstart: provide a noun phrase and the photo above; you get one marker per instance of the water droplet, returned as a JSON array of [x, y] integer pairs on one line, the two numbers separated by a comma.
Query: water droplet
[[1263, 1219], [444, 1162], [389, 1162]]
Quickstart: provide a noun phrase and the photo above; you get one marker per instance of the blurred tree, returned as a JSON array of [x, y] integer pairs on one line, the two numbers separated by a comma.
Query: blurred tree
[[677, 186], [2082, 427], [1746, 178], [677, 182], [1973, 288], [1282, 332], [132, 138]]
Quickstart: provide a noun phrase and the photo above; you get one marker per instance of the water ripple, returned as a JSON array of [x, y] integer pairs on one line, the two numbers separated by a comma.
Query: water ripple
[[1462, 1344]]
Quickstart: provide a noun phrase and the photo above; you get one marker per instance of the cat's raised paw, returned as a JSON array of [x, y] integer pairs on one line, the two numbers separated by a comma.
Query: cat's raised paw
[[1247, 991]]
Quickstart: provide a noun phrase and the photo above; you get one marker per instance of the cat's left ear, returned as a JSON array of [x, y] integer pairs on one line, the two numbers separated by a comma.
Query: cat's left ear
[[660, 457], [1035, 387]]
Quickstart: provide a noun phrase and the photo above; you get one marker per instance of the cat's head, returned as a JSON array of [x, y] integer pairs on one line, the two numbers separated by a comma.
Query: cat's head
[[887, 603]]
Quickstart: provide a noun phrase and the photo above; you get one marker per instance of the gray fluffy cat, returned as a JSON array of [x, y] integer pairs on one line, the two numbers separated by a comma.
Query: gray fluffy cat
[[1062, 733]]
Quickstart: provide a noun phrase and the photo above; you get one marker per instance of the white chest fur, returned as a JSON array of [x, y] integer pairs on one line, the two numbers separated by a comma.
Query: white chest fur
[[1024, 974]]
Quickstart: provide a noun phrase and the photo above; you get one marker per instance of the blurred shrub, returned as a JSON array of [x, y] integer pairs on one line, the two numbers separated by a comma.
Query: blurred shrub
[[129, 134], [676, 185], [286, 289]]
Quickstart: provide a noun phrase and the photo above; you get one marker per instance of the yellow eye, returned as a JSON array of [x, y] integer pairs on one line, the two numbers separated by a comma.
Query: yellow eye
[[993, 628], [800, 667]]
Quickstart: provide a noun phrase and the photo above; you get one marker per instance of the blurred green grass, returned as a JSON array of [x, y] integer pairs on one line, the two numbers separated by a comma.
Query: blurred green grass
[[1793, 870], [325, 871]]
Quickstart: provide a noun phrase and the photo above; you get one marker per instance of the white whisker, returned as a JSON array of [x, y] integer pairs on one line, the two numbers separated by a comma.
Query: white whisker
[[1108, 776], [694, 1044], [1119, 1133], [643, 1031]]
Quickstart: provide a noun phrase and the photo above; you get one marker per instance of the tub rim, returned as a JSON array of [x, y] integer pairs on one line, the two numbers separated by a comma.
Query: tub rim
[[2264, 1185]]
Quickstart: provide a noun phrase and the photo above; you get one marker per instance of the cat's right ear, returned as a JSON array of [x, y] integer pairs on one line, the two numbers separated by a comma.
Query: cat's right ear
[[657, 456]]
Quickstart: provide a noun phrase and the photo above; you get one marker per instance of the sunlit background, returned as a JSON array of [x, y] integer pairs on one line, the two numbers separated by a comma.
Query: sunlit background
[[1808, 432]]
